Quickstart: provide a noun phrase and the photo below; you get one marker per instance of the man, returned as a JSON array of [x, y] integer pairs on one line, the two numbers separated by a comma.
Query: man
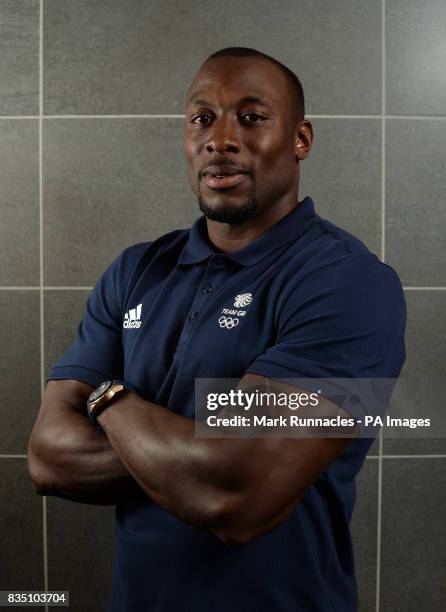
[[213, 524]]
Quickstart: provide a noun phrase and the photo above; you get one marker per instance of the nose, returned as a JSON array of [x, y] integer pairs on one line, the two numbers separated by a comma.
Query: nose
[[223, 137]]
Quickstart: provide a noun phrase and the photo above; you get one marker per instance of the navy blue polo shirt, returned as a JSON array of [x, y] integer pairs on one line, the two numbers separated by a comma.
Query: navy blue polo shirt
[[320, 305]]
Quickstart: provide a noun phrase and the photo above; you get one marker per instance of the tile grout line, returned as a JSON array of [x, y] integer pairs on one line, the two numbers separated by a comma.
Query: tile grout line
[[13, 456], [383, 133], [378, 522], [159, 116], [42, 343], [369, 457], [424, 288], [45, 288], [89, 288], [385, 457], [383, 256]]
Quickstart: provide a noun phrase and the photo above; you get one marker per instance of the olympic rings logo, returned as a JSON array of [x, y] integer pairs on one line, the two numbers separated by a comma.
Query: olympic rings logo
[[228, 322]]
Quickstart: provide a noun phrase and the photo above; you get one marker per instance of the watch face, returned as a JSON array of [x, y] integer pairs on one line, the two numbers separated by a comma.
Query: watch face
[[103, 387]]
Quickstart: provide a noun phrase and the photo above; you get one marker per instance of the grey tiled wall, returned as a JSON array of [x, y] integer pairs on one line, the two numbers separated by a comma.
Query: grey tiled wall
[[91, 103]]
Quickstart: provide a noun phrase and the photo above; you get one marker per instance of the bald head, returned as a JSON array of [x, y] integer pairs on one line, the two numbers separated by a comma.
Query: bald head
[[241, 117], [293, 85]]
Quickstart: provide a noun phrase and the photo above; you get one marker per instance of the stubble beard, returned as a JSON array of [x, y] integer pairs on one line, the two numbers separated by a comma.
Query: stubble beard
[[227, 212]]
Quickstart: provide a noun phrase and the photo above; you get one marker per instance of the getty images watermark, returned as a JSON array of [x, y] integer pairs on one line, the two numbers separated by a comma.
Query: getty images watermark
[[304, 407]]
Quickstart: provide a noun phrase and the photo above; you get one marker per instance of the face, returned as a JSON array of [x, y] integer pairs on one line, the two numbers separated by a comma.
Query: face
[[242, 139]]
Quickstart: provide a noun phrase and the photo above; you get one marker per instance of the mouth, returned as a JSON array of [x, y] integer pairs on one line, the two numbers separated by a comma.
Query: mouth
[[223, 177], [223, 182]]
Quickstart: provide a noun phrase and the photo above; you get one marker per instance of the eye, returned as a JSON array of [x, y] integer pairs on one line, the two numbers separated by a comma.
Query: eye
[[201, 116], [253, 117]]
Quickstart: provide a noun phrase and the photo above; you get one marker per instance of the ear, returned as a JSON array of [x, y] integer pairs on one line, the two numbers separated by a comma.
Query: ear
[[304, 139]]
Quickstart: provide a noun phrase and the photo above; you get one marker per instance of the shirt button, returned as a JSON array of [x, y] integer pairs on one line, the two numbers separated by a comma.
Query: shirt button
[[206, 289], [219, 261], [193, 315]]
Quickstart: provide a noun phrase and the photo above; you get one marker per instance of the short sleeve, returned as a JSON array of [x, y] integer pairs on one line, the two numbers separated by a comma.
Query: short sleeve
[[96, 353], [341, 319]]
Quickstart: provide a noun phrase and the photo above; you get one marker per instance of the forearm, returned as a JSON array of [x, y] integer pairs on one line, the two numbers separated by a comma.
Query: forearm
[[76, 462], [197, 479], [235, 487]]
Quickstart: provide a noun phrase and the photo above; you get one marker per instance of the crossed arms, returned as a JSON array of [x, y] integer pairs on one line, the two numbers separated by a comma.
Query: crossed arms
[[235, 488]]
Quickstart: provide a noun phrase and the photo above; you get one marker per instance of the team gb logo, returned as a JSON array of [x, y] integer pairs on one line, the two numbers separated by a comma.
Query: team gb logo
[[243, 300]]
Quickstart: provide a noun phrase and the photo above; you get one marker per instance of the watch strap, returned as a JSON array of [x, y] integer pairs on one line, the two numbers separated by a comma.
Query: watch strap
[[93, 414]]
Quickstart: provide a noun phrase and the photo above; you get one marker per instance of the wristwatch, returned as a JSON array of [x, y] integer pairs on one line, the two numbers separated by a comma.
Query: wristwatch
[[100, 398]]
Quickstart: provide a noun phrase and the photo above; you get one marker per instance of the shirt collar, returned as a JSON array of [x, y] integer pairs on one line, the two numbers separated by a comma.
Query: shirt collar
[[198, 247]]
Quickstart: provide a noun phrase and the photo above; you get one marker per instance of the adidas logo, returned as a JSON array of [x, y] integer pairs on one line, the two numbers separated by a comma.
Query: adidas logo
[[132, 318]]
